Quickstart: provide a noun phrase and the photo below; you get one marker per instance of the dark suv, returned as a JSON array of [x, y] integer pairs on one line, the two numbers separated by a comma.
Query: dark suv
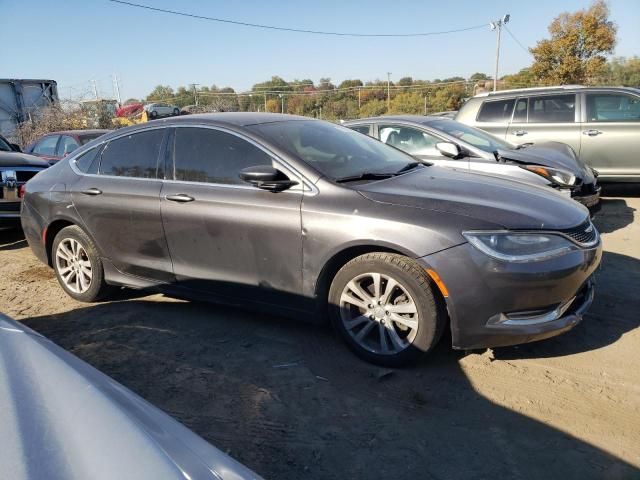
[[602, 124]]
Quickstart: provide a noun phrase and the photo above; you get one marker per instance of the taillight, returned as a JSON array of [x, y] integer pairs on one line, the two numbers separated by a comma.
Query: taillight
[[22, 190]]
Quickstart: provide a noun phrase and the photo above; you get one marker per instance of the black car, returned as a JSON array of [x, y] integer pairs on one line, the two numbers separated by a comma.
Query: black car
[[16, 169], [313, 218]]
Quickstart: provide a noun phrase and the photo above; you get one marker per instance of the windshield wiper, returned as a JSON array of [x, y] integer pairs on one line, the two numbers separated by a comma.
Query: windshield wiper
[[409, 166], [365, 176]]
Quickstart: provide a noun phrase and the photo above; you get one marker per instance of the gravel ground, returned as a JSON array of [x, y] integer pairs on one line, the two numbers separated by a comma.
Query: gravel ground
[[291, 402]]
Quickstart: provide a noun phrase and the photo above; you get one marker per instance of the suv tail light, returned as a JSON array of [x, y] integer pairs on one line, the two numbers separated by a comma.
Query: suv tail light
[[22, 190]]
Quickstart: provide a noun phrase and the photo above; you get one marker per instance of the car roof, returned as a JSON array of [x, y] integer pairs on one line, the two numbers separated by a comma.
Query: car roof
[[95, 131], [557, 88]]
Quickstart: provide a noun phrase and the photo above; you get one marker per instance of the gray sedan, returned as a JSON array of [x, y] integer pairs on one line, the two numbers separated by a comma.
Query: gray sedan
[[448, 143], [62, 419], [313, 219]]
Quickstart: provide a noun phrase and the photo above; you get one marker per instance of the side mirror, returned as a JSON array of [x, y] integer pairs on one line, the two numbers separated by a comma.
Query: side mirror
[[15, 147], [449, 149], [267, 178]]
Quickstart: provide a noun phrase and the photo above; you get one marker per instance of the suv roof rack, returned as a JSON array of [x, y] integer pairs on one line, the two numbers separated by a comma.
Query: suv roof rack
[[532, 89]]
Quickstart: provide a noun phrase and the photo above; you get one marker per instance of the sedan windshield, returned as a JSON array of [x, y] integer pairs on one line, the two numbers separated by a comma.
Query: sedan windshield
[[337, 152], [472, 136]]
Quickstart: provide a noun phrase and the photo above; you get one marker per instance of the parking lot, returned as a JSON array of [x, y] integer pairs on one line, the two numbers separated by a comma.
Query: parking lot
[[290, 401]]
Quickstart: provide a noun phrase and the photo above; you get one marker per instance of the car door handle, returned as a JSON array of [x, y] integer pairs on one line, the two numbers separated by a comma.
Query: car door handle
[[592, 132], [92, 191], [180, 198], [519, 133]]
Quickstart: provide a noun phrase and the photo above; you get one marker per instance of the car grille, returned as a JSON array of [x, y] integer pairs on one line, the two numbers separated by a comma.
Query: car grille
[[584, 234], [23, 176], [10, 207]]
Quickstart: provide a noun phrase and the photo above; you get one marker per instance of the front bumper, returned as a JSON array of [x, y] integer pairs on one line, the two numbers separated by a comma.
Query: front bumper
[[589, 197], [493, 303]]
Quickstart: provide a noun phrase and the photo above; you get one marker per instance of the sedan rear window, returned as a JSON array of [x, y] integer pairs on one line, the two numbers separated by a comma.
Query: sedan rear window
[[496, 111]]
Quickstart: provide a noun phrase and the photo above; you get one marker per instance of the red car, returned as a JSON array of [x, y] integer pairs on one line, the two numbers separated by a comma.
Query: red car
[[57, 145]]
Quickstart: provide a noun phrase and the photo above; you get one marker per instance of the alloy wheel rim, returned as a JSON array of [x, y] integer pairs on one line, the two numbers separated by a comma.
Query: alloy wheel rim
[[73, 265], [379, 313]]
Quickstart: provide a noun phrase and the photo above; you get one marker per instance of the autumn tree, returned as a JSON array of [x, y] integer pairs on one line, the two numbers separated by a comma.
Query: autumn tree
[[577, 49], [161, 92]]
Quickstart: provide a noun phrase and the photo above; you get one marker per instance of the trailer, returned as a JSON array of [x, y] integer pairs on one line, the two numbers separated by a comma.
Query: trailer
[[21, 99]]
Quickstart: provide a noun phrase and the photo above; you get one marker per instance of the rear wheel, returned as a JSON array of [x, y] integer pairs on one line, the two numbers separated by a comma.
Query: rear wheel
[[384, 307], [176, 111], [153, 114], [78, 266]]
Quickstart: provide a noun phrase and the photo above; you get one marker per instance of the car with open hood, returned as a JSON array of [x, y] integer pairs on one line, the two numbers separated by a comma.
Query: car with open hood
[[314, 220], [448, 143]]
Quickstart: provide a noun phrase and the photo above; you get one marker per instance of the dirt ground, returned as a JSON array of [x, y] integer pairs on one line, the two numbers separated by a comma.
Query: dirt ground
[[291, 402]]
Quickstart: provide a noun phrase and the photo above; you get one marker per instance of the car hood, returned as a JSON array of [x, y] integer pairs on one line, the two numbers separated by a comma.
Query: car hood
[[550, 154], [16, 159], [63, 419], [507, 203]]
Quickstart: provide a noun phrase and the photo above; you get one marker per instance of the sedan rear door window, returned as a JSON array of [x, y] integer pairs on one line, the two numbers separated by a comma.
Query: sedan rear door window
[[133, 155], [410, 140], [552, 109], [212, 156], [66, 146], [46, 146], [496, 111]]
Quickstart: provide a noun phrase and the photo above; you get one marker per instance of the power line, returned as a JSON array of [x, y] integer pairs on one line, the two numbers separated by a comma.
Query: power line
[[296, 30], [516, 40]]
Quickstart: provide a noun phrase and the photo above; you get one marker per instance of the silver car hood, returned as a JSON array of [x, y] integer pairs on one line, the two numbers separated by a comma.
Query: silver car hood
[[63, 419]]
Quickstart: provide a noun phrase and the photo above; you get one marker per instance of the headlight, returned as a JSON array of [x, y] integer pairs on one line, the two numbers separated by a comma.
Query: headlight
[[519, 247], [556, 176]]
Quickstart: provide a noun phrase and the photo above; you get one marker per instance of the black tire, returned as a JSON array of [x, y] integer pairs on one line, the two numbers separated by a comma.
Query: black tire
[[98, 288], [176, 111], [431, 315], [153, 114]]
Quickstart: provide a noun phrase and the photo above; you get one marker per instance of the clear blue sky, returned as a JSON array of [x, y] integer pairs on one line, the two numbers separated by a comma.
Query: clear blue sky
[[74, 41]]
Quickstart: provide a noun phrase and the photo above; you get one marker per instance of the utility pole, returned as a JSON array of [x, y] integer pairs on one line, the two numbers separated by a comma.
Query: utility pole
[[95, 88], [117, 88], [195, 92], [497, 25], [388, 91], [358, 98], [282, 100]]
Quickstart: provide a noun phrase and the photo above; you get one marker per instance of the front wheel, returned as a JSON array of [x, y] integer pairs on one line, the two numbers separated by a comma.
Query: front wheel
[[78, 266], [384, 307], [176, 111]]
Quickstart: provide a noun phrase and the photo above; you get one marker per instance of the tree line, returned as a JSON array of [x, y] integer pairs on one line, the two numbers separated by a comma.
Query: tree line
[[577, 52]]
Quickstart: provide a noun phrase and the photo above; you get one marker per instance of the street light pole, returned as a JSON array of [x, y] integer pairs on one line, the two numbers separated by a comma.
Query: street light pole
[[388, 91], [497, 25]]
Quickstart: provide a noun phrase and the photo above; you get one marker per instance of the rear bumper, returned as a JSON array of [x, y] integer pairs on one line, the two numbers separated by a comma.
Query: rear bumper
[[493, 303]]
